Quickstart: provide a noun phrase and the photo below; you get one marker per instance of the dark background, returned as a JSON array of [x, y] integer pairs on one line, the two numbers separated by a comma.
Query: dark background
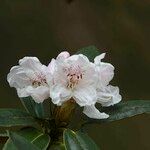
[[43, 28]]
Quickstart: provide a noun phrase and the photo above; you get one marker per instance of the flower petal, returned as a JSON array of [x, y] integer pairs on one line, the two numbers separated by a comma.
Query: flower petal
[[17, 77], [63, 55], [31, 63], [89, 77], [80, 60], [93, 112], [22, 92], [105, 73], [98, 59], [109, 96], [52, 66], [39, 94], [30, 59], [85, 95], [59, 94]]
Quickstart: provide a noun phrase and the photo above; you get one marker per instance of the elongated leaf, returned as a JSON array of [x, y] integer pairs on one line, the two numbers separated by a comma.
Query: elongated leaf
[[22, 143], [70, 141], [33, 136], [28, 133], [78, 141], [15, 117], [123, 110], [35, 109], [91, 52], [42, 141], [86, 141]]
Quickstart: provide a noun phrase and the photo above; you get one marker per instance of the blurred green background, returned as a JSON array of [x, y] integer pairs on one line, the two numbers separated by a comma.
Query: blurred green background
[[43, 28]]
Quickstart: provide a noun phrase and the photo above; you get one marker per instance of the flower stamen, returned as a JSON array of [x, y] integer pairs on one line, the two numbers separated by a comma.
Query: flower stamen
[[74, 75], [39, 80]]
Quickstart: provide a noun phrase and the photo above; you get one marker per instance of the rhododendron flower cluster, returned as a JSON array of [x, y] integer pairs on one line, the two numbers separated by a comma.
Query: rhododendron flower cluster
[[68, 77]]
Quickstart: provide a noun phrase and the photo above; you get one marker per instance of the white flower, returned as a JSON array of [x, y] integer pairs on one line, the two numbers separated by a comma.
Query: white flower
[[107, 95], [29, 79], [67, 77], [74, 77]]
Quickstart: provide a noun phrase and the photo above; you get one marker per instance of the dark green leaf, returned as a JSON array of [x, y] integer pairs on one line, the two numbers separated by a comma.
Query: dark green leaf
[[42, 141], [86, 142], [21, 143], [39, 110], [91, 52], [78, 141], [35, 109], [28, 133], [33, 136], [15, 117], [70, 141], [123, 110]]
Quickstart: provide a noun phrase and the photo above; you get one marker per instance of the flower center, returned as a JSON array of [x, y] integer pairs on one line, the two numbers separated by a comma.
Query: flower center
[[74, 75], [39, 80]]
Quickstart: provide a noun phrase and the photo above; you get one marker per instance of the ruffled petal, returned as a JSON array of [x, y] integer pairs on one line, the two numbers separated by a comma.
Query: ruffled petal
[[109, 96], [85, 95], [93, 112], [59, 94]]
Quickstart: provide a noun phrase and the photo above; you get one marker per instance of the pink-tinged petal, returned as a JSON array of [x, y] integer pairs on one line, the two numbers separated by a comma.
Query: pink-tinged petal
[[85, 95], [109, 96], [98, 59], [63, 55], [59, 94], [93, 112]]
